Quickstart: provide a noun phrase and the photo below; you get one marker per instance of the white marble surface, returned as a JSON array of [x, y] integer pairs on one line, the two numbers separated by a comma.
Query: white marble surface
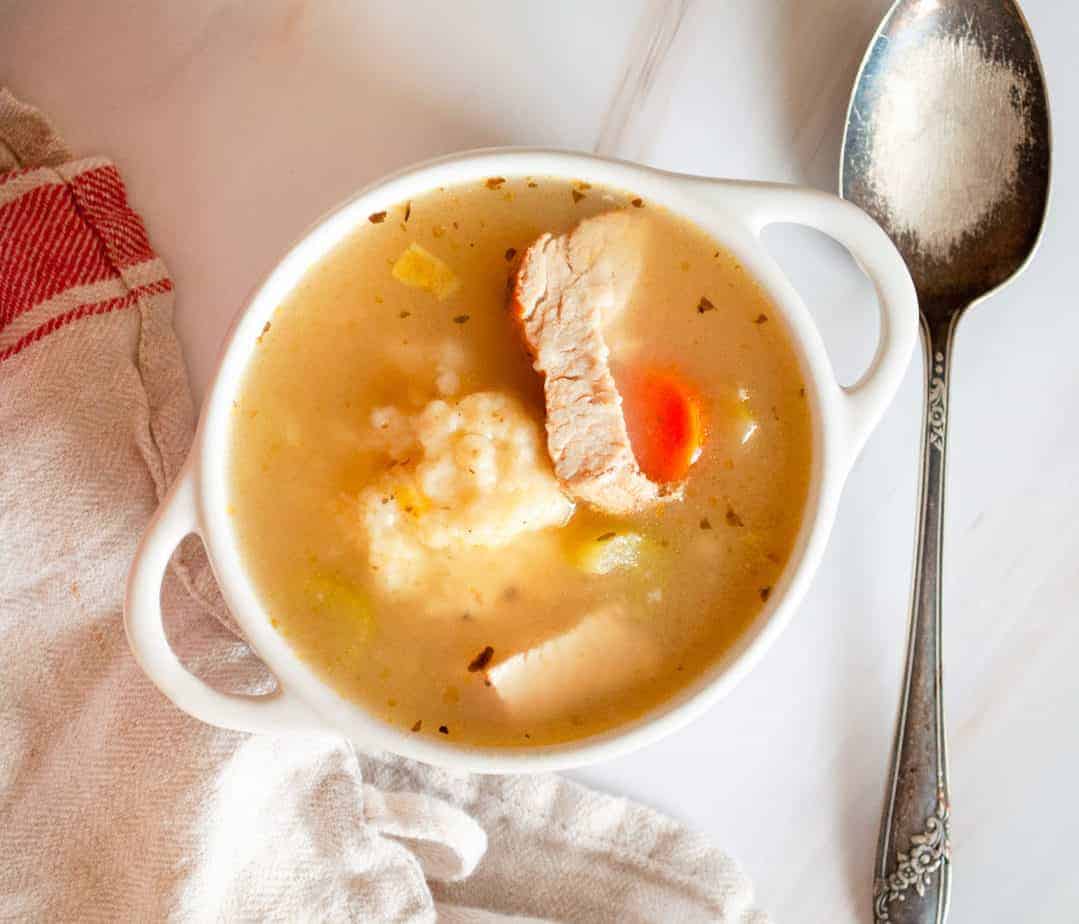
[[236, 124]]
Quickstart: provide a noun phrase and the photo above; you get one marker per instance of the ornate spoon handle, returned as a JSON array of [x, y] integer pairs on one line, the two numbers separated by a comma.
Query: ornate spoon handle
[[913, 869]]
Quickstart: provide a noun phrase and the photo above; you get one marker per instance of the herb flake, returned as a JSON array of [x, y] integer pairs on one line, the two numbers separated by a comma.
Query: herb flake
[[481, 660], [704, 305]]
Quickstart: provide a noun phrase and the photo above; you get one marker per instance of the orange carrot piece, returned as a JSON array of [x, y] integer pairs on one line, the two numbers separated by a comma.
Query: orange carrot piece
[[665, 423]]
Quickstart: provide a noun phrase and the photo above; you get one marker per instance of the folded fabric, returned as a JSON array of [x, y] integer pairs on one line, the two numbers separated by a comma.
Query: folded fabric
[[116, 806]]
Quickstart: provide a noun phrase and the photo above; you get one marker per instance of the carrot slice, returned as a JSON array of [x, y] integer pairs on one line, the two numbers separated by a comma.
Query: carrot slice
[[665, 423]]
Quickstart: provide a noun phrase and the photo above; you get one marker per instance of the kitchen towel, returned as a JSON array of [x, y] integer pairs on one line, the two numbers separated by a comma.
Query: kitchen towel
[[114, 805]]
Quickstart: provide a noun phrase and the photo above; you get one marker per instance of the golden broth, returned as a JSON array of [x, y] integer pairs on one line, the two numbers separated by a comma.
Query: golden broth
[[352, 338]]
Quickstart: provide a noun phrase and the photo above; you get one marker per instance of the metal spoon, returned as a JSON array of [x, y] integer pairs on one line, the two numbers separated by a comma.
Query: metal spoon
[[947, 146]]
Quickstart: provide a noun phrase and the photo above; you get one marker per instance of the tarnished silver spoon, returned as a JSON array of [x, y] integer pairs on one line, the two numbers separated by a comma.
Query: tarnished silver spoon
[[947, 146]]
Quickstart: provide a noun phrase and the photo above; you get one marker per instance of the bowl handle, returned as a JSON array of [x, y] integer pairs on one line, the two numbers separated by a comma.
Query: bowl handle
[[272, 713], [864, 402]]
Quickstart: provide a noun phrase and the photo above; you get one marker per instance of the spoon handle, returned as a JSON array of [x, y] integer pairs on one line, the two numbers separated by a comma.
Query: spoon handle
[[913, 868]]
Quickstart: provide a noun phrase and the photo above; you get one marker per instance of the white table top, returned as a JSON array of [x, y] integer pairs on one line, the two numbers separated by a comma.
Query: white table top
[[235, 125]]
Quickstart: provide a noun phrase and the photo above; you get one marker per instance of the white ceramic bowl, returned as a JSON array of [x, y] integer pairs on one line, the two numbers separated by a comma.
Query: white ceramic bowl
[[734, 213]]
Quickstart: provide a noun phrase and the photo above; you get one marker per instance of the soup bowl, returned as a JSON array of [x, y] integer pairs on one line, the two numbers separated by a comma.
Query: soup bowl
[[734, 213]]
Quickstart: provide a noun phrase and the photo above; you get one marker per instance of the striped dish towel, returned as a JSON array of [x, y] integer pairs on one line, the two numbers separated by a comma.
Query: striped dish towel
[[114, 806]]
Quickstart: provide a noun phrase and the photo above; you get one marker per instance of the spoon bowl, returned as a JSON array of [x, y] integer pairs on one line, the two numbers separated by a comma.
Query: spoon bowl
[[992, 49], [947, 145]]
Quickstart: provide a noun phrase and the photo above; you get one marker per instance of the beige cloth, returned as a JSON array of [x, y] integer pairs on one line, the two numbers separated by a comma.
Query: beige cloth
[[115, 806]]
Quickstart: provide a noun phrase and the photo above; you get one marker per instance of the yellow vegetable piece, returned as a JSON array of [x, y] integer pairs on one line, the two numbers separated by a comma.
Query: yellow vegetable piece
[[411, 499], [733, 416], [421, 269], [332, 595], [607, 552], [747, 424]]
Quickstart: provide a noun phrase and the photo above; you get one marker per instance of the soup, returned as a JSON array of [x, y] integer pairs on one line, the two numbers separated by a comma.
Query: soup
[[407, 518]]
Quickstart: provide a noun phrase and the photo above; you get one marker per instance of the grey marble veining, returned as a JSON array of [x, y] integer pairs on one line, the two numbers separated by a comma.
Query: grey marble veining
[[626, 133]]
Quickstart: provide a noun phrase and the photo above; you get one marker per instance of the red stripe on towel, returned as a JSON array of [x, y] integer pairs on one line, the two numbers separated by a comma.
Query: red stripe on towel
[[101, 197], [59, 235], [85, 311], [46, 247]]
